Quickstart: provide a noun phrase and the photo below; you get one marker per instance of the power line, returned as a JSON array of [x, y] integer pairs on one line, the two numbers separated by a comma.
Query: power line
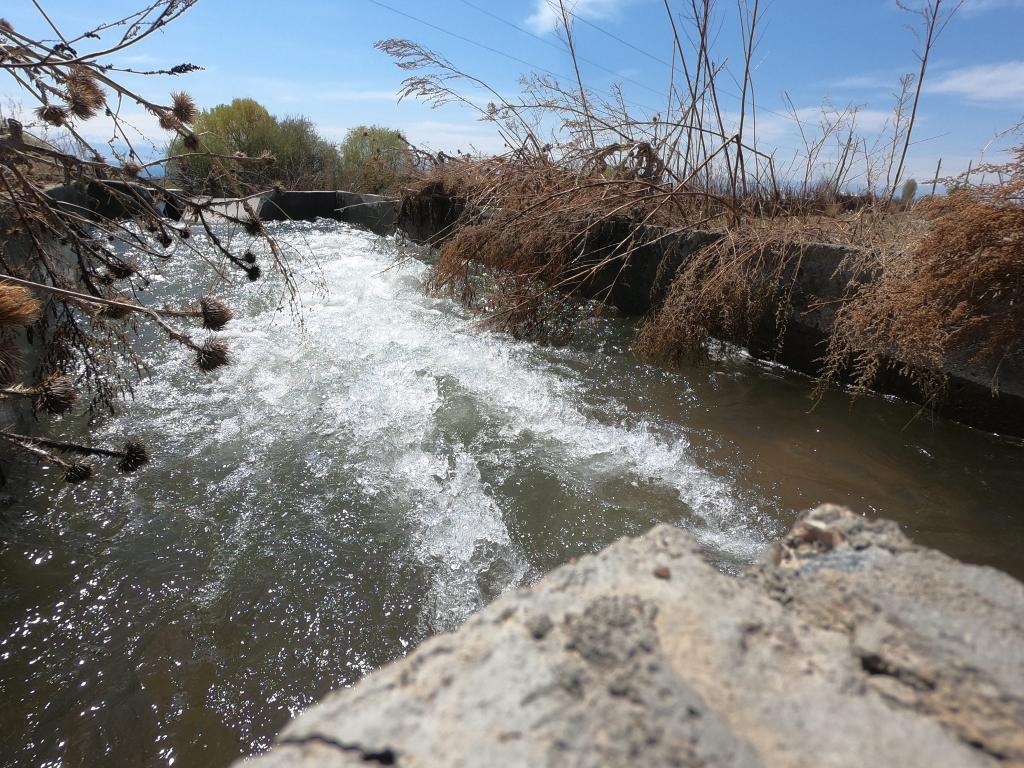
[[626, 43], [559, 48], [531, 65], [622, 41], [508, 23], [509, 56], [464, 39]]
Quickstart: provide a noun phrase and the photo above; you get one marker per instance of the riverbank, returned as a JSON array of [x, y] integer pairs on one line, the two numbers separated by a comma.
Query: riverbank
[[815, 281], [796, 330], [847, 645]]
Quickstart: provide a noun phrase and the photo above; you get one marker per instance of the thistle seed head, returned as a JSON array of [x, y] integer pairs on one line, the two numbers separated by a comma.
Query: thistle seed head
[[81, 110], [51, 114], [85, 96], [6, 26], [11, 361], [253, 227], [249, 257], [135, 455], [216, 314], [56, 394], [184, 108], [18, 306], [78, 472], [112, 312], [253, 273], [167, 120], [122, 270], [213, 354]]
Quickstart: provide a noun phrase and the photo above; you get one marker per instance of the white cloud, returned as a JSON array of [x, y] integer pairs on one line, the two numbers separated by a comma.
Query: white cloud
[[142, 129], [547, 17], [292, 91], [137, 123], [873, 120], [781, 129], [981, 6], [449, 137], [867, 82], [436, 135], [985, 82]]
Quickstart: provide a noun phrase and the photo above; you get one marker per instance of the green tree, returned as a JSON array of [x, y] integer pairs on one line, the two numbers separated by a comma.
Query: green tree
[[375, 159], [301, 158]]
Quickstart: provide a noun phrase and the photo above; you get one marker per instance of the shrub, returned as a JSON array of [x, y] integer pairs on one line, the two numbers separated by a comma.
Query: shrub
[[297, 157], [375, 159]]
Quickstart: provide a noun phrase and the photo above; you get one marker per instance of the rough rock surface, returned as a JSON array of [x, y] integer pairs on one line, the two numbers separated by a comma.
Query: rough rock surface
[[847, 646]]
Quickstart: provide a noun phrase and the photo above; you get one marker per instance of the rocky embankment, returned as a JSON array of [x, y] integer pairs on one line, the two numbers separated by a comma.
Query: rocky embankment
[[847, 645]]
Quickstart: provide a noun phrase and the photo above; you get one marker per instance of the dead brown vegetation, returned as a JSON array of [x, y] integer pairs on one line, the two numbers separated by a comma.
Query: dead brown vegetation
[[75, 261], [953, 294], [723, 293], [588, 188]]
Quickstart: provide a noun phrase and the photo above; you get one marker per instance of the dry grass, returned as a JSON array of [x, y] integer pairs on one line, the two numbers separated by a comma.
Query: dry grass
[[953, 293], [931, 285], [536, 226], [723, 292], [547, 236], [529, 237]]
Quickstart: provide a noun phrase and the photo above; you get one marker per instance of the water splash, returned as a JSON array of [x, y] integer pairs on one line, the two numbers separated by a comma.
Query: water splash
[[406, 395]]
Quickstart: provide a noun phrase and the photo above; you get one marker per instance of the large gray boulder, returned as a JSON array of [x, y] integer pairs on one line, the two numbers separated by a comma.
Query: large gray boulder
[[847, 646]]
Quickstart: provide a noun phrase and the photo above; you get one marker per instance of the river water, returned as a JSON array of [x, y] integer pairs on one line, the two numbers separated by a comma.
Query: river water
[[318, 508]]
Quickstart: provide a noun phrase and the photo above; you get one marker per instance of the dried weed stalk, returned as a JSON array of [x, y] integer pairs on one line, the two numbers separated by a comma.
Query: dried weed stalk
[[73, 261], [588, 186], [954, 294]]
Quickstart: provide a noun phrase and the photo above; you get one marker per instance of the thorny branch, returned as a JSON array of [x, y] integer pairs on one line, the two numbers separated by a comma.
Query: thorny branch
[[72, 273]]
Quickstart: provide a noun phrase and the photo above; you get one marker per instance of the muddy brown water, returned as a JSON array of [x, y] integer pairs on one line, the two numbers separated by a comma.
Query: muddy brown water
[[318, 508]]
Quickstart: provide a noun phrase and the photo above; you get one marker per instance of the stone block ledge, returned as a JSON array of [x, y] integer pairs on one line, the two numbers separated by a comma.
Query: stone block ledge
[[847, 645]]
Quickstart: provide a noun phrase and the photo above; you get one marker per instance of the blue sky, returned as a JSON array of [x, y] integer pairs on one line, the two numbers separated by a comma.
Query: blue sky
[[316, 58]]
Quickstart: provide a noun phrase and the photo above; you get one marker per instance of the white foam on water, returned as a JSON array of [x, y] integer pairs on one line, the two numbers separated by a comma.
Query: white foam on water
[[361, 390]]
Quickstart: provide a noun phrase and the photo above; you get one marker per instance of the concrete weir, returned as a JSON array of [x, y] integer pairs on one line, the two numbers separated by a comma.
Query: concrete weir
[[643, 281], [376, 213]]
